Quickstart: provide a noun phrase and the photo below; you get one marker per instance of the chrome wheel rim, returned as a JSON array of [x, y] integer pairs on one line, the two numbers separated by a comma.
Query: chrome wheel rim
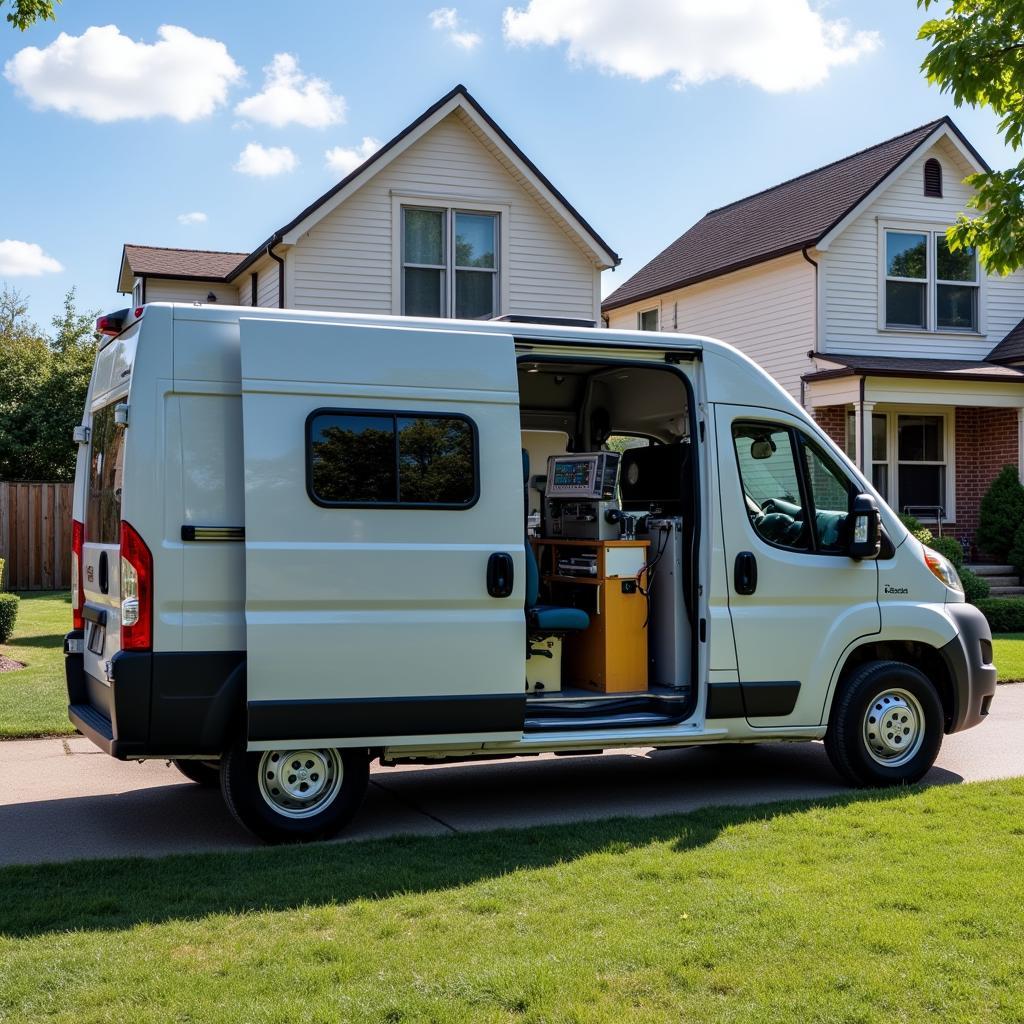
[[300, 783], [894, 728]]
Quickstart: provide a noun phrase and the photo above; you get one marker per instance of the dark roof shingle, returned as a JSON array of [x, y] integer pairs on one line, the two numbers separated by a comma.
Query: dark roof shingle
[[203, 264], [779, 220], [902, 366], [1011, 348]]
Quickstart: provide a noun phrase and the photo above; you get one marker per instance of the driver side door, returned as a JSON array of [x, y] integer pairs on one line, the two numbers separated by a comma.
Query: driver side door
[[796, 599]]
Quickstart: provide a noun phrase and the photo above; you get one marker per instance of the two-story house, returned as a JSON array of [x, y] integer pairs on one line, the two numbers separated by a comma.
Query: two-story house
[[448, 218], [841, 285]]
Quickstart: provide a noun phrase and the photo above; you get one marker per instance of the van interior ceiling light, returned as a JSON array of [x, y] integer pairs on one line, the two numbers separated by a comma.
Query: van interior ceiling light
[[943, 569]]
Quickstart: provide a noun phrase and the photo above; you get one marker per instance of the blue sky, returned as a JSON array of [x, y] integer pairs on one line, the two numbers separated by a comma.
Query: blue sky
[[641, 159]]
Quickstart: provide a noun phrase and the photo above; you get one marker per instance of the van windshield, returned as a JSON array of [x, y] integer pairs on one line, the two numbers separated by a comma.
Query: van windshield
[[106, 469]]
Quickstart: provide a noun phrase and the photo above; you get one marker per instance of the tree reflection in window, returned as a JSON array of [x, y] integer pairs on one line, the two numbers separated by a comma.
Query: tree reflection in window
[[371, 458]]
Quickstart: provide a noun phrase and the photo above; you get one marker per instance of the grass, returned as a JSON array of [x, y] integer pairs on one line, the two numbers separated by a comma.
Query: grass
[[893, 906], [33, 700], [1008, 652]]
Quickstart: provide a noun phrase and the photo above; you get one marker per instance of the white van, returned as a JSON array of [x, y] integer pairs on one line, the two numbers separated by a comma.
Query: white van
[[303, 541]]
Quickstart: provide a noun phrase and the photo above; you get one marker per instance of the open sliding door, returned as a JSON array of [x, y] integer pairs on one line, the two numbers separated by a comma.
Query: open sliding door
[[382, 473]]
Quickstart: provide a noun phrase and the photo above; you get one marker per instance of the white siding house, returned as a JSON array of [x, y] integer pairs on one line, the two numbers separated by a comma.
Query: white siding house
[[449, 218], [839, 283]]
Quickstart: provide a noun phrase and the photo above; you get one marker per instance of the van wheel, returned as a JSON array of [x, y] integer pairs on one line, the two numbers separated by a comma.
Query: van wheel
[[206, 773], [294, 795], [886, 725]]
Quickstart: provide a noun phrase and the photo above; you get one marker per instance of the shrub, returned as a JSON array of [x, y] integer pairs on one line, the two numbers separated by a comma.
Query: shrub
[[1016, 555], [1001, 513], [2, 563], [950, 547], [922, 533], [975, 588], [1004, 614], [8, 615]]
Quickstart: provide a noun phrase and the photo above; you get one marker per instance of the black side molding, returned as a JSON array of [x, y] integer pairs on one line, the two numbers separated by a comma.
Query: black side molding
[[192, 533], [385, 716], [766, 699]]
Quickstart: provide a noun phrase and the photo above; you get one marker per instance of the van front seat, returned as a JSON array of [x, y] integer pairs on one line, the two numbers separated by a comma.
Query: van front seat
[[545, 619]]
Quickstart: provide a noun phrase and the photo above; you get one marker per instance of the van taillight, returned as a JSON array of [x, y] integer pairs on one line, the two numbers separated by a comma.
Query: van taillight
[[136, 592], [77, 590]]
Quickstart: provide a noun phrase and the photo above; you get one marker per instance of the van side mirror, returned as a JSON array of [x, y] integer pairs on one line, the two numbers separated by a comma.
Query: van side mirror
[[865, 528]]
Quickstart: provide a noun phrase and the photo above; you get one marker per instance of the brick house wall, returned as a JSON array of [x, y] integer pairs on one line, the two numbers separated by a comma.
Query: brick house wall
[[832, 419], [986, 440]]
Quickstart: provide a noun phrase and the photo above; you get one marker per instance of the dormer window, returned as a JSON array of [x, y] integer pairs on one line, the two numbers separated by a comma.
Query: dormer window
[[933, 178]]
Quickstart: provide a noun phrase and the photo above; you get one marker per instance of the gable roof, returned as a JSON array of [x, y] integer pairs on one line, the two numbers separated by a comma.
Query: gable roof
[[780, 220], [1011, 348], [181, 264]]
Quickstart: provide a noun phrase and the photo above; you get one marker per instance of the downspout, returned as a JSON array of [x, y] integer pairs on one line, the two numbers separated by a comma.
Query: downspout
[[279, 260], [817, 340], [861, 442], [254, 280]]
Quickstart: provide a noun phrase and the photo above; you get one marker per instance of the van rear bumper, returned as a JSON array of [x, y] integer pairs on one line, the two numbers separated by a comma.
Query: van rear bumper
[[968, 657], [157, 704]]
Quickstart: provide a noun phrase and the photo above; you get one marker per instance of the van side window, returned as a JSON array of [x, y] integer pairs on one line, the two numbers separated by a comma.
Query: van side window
[[796, 496], [771, 484], [396, 459], [106, 475]]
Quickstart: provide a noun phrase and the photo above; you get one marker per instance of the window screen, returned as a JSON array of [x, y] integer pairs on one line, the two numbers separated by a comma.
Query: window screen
[[396, 459]]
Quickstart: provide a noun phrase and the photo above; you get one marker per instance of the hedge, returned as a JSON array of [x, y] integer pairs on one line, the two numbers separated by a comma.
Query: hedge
[[1004, 614], [8, 615]]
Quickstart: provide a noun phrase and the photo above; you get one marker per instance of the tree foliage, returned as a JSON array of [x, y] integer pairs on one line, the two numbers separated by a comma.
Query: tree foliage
[[977, 57], [23, 13], [45, 383], [1000, 514]]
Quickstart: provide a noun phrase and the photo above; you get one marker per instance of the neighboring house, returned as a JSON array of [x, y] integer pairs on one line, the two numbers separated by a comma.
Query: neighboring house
[[449, 218], [840, 284]]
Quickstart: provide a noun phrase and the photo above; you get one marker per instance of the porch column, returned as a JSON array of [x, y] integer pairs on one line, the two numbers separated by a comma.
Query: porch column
[[862, 424]]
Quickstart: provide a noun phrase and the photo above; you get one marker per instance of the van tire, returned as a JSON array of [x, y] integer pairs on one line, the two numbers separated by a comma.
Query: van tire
[[205, 773], [877, 697], [240, 783]]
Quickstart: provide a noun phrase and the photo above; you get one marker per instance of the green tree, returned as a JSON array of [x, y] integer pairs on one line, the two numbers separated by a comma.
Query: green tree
[[27, 12], [1000, 514], [977, 56]]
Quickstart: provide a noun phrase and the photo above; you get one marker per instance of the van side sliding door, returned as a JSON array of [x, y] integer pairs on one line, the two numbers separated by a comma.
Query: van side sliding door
[[383, 504]]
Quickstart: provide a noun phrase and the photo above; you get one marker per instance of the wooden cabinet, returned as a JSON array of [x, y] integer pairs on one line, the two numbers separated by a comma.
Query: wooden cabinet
[[611, 655]]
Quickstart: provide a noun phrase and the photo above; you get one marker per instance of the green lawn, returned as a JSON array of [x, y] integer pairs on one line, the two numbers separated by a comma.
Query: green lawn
[[1008, 652], [892, 906], [33, 700]]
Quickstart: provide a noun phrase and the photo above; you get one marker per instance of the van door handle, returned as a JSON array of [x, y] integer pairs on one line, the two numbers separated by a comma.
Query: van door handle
[[104, 572], [744, 577], [500, 574]]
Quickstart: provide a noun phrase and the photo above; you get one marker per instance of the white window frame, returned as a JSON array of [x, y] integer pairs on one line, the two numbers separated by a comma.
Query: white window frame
[[137, 292], [892, 414], [641, 313], [932, 231], [450, 206]]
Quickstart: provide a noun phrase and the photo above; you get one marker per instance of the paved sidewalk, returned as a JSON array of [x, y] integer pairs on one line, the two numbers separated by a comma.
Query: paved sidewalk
[[62, 799]]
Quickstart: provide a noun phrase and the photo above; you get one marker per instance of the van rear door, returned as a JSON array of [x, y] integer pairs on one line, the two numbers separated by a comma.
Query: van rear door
[[383, 503]]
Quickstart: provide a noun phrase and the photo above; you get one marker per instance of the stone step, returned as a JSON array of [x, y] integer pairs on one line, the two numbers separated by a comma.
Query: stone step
[[1006, 592], [1013, 582], [992, 570]]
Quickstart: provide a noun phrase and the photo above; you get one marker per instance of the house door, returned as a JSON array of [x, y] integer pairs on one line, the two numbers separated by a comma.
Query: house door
[[382, 478], [796, 599]]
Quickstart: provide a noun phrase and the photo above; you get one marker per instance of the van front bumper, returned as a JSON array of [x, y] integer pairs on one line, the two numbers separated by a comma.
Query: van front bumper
[[968, 658], [156, 705]]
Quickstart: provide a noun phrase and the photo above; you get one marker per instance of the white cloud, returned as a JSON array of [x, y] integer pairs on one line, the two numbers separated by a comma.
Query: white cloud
[[25, 259], [344, 161], [106, 76], [266, 161], [446, 19], [777, 46], [195, 217], [290, 97]]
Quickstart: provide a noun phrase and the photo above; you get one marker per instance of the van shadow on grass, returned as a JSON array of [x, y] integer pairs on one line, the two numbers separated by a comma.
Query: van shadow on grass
[[117, 894]]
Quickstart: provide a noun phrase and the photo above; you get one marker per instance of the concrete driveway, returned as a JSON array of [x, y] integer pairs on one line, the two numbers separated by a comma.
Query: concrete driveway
[[64, 800]]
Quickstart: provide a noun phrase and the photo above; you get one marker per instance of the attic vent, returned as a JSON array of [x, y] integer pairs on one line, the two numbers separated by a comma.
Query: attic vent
[[933, 178]]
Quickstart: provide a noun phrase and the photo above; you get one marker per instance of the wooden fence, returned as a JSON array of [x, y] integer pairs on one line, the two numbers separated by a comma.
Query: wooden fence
[[35, 536]]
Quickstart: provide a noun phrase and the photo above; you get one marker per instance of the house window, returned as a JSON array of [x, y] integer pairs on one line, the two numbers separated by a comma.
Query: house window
[[879, 449], [137, 292], [449, 263], [647, 320], [391, 459], [933, 178], [928, 286], [921, 463]]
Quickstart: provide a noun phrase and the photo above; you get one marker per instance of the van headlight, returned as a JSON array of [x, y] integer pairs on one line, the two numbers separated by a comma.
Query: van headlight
[[943, 569]]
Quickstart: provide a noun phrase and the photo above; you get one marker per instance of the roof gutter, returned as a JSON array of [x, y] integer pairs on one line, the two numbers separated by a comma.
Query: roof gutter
[[279, 260]]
